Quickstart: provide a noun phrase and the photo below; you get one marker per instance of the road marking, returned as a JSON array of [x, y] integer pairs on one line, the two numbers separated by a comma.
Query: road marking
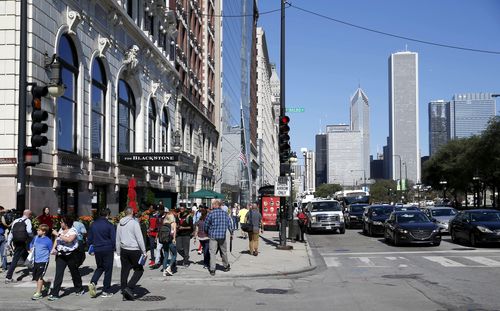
[[484, 261], [331, 261], [403, 266], [366, 261], [391, 258], [414, 252], [445, 262]]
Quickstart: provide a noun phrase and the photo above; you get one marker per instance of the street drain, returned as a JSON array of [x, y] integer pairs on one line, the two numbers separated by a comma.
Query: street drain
[[463, 249], [401, 276], [272, 291], [152, 298]]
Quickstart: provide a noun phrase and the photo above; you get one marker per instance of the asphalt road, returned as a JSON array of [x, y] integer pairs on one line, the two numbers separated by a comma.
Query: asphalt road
[[354, 272]]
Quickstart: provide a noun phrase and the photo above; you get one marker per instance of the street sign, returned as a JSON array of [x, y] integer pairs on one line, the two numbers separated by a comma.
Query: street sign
[[282, 187], [148, 159]]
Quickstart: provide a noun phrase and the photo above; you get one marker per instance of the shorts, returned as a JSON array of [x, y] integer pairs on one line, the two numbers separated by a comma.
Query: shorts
[[39, 269]]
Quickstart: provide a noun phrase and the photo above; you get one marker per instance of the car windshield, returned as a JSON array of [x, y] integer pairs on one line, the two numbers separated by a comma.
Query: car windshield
[[357, 208], [357, 199], [443, 212], [330, 206], [406, 208], [382, 210], [485, 216], [412, 217]]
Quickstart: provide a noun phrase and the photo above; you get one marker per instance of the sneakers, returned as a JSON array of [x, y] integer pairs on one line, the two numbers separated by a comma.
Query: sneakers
[[212, 273], [92, 290], [168, 271], [199, 252], [127, 294], [53, 298], [106, 295], [8, 281], [151, 263], [226, 269], [37, 296]]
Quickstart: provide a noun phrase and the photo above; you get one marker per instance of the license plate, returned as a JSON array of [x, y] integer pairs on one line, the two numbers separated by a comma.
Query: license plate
[[328, 227]]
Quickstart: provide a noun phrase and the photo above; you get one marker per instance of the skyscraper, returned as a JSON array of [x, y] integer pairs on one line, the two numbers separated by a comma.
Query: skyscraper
[[321, 159], [360, 121], [470, 114], [403, 115], [439, 125], [344, 165]]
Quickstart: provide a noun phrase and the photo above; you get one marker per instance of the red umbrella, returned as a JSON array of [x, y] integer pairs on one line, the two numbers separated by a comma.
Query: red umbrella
[[132, 195]]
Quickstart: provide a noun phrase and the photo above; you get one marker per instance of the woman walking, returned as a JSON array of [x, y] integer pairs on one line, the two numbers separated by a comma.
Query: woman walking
[[66, 251], [202, 236], [169, 243]]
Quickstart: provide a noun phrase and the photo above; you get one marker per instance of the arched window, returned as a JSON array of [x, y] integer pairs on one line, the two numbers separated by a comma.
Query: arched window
[[66, 104], [152, 126], [98, 99], [126, 117], [164, 132]]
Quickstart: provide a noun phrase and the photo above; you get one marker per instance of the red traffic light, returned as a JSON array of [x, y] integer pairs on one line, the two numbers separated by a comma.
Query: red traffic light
[[285, 119]]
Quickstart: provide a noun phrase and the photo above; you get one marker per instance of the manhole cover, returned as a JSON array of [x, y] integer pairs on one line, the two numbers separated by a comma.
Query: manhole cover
[[273, 291], [464, 249], [401, 276], [152, 298]]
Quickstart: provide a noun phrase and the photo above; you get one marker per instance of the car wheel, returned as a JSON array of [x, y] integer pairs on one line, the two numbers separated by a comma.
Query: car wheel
[[436, 243], [370, 232], [386, 237], [396, 240], [472, 240], [364, 229], [342, 230], [453, 236]]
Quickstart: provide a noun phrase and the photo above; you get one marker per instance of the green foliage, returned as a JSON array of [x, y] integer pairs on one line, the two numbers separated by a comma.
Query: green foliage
[[383, 191], [150, 197], [327, 190]]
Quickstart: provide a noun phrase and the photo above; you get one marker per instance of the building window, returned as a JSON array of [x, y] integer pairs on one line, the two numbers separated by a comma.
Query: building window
[[191, 139], [126, 117], [130, 8], [149, 22], [164, 132], [98, 97], [152, 126], [66, 104]]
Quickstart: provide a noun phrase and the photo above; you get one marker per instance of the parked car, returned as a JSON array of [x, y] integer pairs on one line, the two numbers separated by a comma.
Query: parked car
[[412, 227], [406, 207], [442, 215], [353, 214], [374, 218], [476, 226], [325, 215]]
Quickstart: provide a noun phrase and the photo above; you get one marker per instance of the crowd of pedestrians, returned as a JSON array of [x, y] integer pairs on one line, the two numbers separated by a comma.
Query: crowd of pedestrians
[[168, 235]]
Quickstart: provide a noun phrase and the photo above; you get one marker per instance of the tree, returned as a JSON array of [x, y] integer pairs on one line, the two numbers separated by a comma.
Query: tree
[[327, 190], [383, 190]]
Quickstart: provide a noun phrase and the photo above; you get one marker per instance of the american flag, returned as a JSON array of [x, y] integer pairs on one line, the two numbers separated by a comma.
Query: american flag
[[243, 158]]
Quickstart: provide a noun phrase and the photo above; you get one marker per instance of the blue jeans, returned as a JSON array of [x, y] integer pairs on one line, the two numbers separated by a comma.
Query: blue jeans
[[3, 253], [206, 252], [169, 249], [236, 221]]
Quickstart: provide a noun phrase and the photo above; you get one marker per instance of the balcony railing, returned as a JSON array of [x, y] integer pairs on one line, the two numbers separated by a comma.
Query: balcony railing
[[196, 103]]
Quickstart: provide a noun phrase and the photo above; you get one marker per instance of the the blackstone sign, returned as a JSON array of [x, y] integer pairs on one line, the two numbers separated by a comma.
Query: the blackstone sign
[[148, 159]]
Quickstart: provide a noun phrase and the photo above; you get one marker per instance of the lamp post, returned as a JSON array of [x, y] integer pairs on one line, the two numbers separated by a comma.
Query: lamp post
[[476, 190], [443, 183], [399, 183]]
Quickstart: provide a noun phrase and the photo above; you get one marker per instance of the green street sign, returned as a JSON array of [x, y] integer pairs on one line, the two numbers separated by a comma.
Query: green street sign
[[295, 109]]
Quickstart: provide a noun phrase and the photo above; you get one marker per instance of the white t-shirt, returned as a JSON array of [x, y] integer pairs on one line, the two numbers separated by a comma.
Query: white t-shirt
[[67, 247]]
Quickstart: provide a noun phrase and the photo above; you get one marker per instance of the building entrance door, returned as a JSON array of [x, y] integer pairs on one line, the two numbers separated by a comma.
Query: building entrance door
[[68, 199]]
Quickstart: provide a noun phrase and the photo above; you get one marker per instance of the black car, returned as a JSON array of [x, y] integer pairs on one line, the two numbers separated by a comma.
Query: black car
[[476, 226], [412, 227], [353, 215], [374, 218]]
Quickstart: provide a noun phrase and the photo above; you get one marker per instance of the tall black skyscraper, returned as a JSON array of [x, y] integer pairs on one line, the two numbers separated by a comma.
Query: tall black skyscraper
[[321, 159], [439, 125]]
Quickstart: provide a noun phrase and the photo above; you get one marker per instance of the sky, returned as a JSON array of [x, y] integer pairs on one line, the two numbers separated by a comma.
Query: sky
[[326, 61]]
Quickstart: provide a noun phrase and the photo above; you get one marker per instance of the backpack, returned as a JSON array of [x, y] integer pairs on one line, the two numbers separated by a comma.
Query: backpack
[[164, 235], [9, 217], [19, 233]]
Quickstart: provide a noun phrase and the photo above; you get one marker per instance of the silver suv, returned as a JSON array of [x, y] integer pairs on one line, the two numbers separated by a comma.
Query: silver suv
[[325, 215]]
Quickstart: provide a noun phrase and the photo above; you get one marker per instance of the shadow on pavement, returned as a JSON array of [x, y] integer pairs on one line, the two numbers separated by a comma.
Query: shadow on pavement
[[269, 242]]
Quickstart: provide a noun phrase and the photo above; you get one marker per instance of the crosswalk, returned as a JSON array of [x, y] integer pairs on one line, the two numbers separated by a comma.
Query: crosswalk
[[407, 260]]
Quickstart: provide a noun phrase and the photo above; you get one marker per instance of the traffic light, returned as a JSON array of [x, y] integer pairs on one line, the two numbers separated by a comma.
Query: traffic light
[[284, 139], [38, 116]]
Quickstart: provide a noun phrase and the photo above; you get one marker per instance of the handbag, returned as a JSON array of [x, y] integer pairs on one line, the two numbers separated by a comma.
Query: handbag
[[30, 260], [247, 226]]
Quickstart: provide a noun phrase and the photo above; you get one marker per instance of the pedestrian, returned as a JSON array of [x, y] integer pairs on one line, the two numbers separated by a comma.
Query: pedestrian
[[302, 223], [295, 229], [161, 208], [167, 237], [41, 246], [184, 232], [243, 214], [196, 218], [102, 239], [216, 225], [82, 235], [45, 218], [235, 213], [154, 225], [255, 219], [130, 247], [202, 236], [18, 238], [66, 250], [3, 240]]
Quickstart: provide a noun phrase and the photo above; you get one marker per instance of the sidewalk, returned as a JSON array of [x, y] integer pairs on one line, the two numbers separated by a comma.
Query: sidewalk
[[269, 262]]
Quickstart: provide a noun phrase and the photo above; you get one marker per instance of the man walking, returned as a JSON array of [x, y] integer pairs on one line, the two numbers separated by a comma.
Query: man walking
[[103, 239], [254, 218], [19, 236], [216, 225], [130, 247], [154, 226], [184, 231]]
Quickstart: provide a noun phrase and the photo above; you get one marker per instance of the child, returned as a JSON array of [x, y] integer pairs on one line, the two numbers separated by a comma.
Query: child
[[41, 245]]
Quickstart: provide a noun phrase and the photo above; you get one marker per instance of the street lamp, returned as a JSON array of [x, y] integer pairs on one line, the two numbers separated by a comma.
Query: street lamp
[[476, 190], [443, 183]]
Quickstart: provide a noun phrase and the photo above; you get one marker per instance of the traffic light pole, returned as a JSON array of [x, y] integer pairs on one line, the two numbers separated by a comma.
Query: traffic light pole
[[283, 167], [21, 132]]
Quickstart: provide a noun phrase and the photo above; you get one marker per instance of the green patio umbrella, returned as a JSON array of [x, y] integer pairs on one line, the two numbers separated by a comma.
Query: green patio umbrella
[[205, 194]]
